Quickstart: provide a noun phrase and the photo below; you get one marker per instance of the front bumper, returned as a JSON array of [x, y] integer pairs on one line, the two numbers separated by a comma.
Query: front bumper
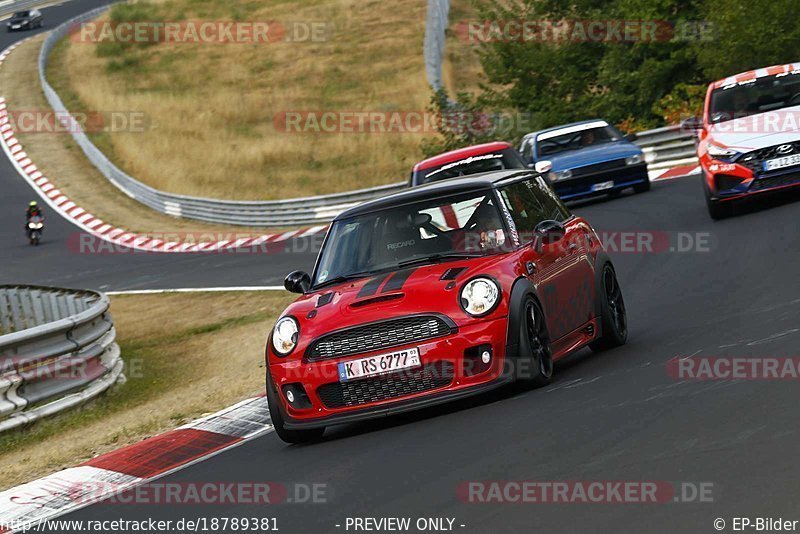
[[584, 186], [727, 181], [319, 378], [739, 182]]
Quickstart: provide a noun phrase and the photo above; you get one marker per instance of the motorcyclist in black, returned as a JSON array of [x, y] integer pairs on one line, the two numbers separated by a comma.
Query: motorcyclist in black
[[33, 211]]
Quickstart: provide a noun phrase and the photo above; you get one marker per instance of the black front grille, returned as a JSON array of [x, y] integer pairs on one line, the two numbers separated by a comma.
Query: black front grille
[[399, 384], [583, 184], [753, 160], [600, 167], [775, 181], [380, 335]]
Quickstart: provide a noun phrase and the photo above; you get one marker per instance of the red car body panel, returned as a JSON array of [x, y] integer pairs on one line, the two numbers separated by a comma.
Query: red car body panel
[[564, 278], [745, 134], [461, 153]]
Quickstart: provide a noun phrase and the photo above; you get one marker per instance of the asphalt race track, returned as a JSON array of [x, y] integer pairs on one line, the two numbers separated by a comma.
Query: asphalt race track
[[56, 263], [618, 416]]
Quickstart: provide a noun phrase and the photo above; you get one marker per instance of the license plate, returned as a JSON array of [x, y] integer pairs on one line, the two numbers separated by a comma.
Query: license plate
[[378, 365], [780, 163], [602, 186]]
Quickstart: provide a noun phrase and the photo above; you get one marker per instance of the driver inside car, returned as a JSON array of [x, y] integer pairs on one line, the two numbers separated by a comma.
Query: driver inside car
[[483, 231]]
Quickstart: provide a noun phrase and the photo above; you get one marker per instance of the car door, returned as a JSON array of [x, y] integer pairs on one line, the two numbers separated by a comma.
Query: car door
[[559, 271], [575, 298]]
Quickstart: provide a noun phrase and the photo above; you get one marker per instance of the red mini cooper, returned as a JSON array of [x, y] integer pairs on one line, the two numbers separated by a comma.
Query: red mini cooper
[[436, 293]]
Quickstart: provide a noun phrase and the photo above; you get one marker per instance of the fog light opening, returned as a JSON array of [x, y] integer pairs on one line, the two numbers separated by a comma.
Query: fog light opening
[[477, 360], [296, 396]]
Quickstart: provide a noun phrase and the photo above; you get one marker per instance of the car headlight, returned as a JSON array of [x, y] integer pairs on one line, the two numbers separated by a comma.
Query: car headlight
[[634, 160], [560, 175], [718, 152], [285, 335], [479, 296]]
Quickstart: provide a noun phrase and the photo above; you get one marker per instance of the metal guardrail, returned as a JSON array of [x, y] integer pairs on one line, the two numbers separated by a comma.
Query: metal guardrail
[[300, 211], [57, 350], [667, 147], [434, 42], [665, 144]]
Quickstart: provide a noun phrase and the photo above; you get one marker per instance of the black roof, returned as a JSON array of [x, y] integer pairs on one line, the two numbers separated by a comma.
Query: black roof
[[450, 186]]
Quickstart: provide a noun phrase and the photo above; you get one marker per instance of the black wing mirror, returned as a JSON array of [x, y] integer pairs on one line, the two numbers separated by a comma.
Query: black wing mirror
[[297, 282], [692, 125], [631, 137], [548, 232]]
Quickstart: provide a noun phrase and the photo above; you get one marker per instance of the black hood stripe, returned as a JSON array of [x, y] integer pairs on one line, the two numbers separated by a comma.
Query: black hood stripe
[[398, 280], [371, 287]]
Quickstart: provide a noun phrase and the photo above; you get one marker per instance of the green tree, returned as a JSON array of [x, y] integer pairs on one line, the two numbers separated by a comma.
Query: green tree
[[573, 79], [748, 34]]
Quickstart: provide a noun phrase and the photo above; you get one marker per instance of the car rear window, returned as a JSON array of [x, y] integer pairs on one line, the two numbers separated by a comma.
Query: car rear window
[[496, 160]]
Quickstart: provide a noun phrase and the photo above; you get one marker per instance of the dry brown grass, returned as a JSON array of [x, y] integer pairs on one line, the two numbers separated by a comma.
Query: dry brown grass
[[461, 69], [63, 162], [186, 355], [211, 107]]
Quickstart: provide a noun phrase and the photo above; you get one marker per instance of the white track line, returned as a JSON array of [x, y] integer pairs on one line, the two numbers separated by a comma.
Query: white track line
[[194, 290]]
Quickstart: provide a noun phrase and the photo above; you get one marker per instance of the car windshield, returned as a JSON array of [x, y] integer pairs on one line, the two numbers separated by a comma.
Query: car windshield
[[575, 138], [20, 14], [425, 231], [496, 160], [754, 96]]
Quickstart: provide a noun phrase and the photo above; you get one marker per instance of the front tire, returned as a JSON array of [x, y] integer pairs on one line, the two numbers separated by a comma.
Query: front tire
[[534, 347], [613, 319], [719, 210], [643, 187], [278, 422]]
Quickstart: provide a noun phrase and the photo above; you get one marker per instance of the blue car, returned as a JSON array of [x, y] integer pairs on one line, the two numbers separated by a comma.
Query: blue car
[[585, 159]]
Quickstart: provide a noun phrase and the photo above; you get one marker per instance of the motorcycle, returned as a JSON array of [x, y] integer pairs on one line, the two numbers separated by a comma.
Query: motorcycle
[[34, 227]]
